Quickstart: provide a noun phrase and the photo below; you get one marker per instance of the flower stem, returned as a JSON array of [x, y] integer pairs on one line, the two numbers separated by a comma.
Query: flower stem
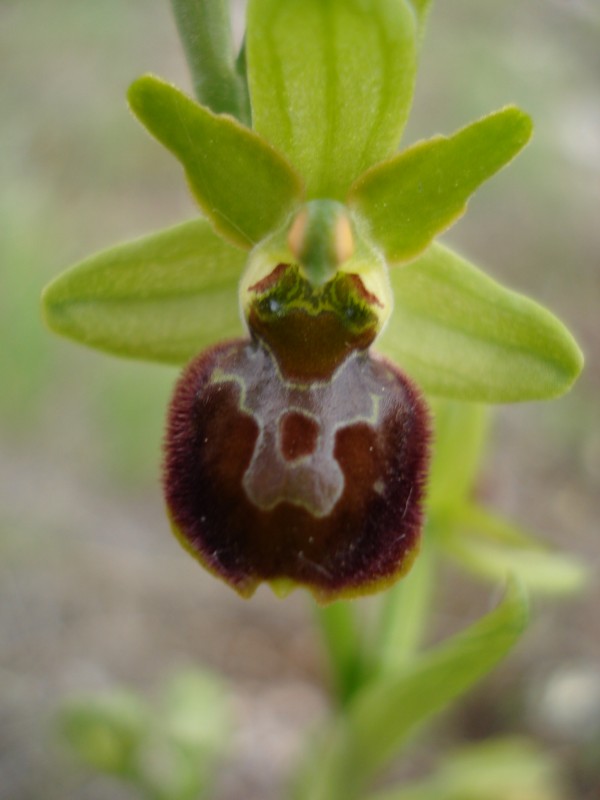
[[205, 30], [406, 607], [343, 644]]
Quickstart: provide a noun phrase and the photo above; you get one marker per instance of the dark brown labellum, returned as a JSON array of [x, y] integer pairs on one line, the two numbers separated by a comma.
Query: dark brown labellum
[[298, 460]]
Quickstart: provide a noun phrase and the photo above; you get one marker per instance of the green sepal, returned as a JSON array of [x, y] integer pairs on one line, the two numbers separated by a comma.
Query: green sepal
[[243, 186], [163, 297], [491, 548], [461, 335], [422, 191], [331, 83]]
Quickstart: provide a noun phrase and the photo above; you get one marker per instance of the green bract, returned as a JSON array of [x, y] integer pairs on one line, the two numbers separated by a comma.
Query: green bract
[[330, 87]]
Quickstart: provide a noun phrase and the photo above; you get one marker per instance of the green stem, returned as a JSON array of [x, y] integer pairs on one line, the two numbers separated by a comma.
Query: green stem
[[342, 640], [403, 620], [333, 769], [326, 773], [205, 30]]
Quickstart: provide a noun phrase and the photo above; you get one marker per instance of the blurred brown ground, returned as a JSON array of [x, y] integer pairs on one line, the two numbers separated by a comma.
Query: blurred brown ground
[[94, 592]]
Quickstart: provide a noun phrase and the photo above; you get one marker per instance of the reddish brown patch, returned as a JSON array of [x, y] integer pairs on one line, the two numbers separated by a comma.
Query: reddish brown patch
[[270, 280], [309, 347], [298, 435], [360, 289]]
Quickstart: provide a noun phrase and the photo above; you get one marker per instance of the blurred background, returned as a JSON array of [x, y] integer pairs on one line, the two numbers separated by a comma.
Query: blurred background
[[94, 591]]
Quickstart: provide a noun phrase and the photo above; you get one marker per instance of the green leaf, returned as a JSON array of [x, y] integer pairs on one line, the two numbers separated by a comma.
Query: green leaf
[[331, 83], [105, 731], [461, 335], [492, 770], [421, 192], [460, 433], [205, 30], [243, 186], [195, 714], [163, 298], [387, 712], [493, 548]]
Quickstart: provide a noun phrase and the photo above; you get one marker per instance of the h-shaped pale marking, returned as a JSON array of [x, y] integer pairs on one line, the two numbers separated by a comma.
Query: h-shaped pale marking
[[313, 481]]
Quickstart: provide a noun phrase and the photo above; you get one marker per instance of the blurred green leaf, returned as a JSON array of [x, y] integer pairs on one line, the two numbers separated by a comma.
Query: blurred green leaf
[[331, 83], [387, 712], [461, 335], [196, 714], [499, 769], [493, 548], [106, 732], [460, 433], [163, 297], [422, 191], [243, 186]]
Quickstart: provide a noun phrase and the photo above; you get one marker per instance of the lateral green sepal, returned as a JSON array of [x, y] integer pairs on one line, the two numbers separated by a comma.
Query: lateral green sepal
[[243, 186], [162, 298], [421, 192], [461, 335]]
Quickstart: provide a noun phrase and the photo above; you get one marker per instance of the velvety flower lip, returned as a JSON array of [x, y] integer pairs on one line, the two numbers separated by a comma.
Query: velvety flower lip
[[296, 457], [317, 484]]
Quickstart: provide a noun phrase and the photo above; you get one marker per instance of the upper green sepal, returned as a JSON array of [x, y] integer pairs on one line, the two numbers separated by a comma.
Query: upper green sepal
[[243, 186], [163, 297], [421, 192], [461, 335], [331, 83]]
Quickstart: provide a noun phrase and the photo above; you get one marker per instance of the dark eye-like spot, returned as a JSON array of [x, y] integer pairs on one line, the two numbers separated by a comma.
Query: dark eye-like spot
[[299, 435]]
